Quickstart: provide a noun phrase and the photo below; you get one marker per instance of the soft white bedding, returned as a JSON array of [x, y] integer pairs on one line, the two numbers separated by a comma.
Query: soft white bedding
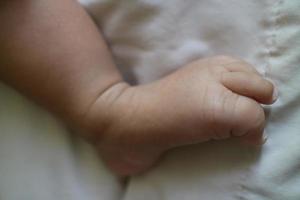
[[151, 38]]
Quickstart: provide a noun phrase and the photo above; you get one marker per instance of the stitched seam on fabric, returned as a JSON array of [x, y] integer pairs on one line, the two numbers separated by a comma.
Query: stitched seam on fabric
[[269, 39], [272, 48]]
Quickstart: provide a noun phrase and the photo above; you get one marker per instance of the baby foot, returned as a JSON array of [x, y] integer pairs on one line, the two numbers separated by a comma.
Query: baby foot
[[212, 98]]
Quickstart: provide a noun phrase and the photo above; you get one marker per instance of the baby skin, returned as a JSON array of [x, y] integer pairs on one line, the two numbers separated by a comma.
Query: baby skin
[[69, 71], [213, 98]]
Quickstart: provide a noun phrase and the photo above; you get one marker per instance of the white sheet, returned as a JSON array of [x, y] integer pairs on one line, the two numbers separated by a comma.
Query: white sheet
[[151, 38]]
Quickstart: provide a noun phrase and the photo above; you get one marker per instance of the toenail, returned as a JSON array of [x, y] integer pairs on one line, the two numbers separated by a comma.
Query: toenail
[[275, 94]]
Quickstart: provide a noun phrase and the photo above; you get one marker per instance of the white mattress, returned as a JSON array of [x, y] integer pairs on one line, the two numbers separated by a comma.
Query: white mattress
[[149, 39]]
